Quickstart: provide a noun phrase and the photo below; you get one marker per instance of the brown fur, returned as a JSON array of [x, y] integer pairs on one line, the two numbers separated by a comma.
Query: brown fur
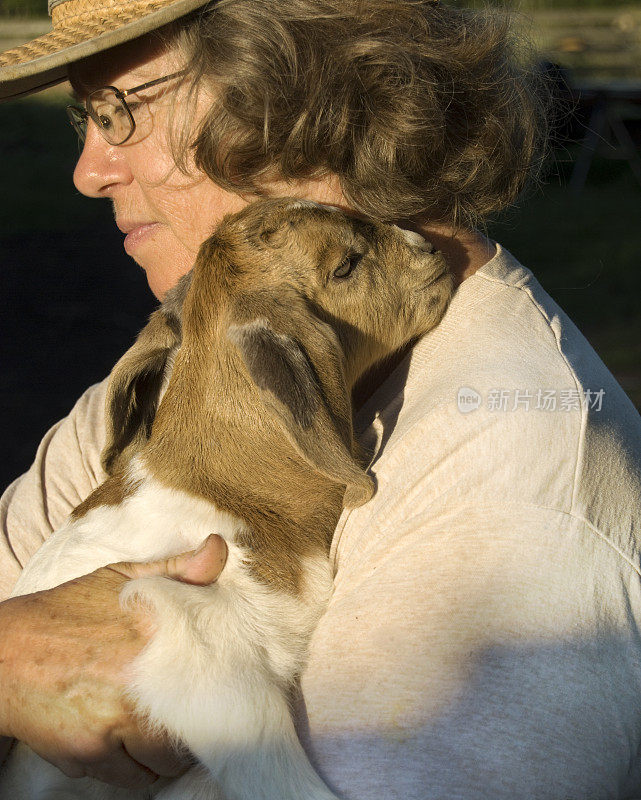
[[257, 414], [134, 389], [110, 493]]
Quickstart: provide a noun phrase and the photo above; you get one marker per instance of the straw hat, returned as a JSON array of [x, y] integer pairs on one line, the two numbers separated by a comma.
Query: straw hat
[[80, 29]]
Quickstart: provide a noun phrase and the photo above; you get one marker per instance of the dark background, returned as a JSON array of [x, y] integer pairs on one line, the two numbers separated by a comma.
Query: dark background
[[71, 305], [71, 301]]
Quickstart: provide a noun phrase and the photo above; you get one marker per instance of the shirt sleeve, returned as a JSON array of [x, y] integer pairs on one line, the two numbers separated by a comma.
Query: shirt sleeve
[[487, 653], [66, 469]]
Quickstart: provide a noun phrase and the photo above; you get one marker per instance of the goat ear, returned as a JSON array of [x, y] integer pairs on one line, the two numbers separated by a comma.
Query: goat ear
[[290, 387], [134, 389]]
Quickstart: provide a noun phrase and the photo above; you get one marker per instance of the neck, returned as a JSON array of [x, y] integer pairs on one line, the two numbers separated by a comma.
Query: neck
[[466, 251]]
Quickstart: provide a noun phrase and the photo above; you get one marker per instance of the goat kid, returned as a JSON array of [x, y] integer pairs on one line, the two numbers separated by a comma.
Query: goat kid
[[231, 413]]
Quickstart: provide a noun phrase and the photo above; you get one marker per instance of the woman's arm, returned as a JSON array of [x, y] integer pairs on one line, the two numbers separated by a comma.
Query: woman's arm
[[64, 652], [64, 655]]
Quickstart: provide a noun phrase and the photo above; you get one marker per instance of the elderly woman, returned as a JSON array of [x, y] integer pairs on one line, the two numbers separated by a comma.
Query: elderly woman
[[483, 637]]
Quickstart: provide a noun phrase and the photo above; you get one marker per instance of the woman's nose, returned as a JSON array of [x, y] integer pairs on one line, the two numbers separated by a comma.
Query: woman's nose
[[101, 167]]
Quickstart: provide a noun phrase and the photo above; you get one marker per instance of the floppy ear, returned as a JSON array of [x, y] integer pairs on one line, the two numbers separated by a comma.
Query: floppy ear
[[134, 389], [319, 426]]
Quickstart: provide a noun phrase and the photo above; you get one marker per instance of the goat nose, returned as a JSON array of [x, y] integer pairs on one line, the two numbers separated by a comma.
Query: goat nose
[[411, 237], [417, 241]]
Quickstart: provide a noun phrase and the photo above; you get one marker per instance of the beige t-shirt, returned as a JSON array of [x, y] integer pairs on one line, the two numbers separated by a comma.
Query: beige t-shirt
[[483, 637]]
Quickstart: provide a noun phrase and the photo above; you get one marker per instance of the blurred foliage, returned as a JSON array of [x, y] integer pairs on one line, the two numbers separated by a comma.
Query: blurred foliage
[[23, 8]]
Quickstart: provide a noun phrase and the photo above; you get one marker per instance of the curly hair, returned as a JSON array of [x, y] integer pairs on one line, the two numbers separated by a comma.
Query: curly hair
[[419, 108]]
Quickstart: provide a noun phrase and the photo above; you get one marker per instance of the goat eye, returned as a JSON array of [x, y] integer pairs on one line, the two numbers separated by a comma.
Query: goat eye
[[347, 266]]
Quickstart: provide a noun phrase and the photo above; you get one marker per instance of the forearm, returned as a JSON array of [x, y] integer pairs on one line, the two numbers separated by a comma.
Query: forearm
[[64, 660], [8, 648]]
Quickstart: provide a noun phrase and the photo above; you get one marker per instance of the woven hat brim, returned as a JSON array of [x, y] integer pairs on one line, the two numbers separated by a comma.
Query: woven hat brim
[[43, 62]]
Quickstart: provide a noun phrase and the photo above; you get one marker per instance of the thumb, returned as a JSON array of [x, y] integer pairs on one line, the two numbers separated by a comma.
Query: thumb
[[201, 566]]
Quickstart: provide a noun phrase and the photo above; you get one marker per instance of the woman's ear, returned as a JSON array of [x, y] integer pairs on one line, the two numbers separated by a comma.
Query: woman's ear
[[135, 387], [318, 426]]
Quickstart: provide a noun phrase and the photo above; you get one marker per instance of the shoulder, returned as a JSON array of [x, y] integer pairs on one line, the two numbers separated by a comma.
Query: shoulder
[[491, 586], [503, 421], [504, 404]]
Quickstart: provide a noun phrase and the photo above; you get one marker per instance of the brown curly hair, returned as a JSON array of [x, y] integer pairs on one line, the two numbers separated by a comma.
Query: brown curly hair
[[419, 108]]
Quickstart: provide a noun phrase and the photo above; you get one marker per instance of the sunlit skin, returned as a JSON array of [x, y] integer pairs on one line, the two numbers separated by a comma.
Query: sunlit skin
[[166, 214], [64, 652]]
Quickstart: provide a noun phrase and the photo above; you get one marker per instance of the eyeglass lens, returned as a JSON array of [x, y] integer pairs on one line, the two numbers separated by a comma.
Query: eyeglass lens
[[111, 115], [108, 111]]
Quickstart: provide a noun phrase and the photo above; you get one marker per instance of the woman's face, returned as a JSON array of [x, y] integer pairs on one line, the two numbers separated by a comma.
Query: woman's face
[[164, 214]]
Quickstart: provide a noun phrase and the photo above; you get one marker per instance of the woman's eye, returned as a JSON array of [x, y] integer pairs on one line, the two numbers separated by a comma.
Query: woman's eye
[[347, 266]]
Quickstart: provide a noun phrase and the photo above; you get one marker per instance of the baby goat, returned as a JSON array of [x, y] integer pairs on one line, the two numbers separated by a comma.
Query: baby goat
[[231, 413]]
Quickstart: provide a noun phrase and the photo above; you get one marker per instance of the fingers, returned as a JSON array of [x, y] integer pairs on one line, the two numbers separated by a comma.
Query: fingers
[[159, 755], [116, 768], [120, 771], [201, 566]]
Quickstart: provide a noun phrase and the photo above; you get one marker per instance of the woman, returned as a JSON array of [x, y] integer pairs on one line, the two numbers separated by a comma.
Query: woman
[[483, 638]]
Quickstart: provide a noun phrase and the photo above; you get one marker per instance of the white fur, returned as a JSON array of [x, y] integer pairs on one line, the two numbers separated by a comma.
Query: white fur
[[216, 671]]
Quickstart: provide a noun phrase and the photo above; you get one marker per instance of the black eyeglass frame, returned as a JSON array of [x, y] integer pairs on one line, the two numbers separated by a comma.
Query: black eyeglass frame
[[79, 116]]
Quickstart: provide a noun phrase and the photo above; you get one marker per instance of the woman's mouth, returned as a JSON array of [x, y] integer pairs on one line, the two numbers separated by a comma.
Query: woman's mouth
[[137, 234]]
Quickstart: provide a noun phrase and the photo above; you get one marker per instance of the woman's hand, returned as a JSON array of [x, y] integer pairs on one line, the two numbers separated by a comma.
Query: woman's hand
[[63, 660]]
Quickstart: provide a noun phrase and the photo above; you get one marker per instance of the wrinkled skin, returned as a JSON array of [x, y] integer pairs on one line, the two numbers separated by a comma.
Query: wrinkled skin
[[62, 682]]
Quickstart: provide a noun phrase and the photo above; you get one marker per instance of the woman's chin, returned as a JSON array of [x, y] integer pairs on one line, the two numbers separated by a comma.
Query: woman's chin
[[161, 279], [162, 264]]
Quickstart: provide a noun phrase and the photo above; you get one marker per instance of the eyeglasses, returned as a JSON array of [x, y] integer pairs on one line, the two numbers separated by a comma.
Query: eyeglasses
[[108, 109]]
